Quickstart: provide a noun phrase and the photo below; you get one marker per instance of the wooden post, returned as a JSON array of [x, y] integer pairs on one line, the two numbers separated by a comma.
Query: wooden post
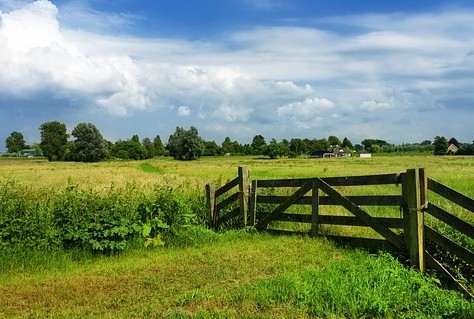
[[315, 210], [244, 190], [253, 204], [413, 215], [211, 205]]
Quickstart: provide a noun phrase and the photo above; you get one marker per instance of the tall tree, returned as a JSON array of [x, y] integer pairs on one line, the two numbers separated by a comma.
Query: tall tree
[[159, 147], [346, 143], [54, 140], [334, 140], [149, 147], [258, 144], [440, 145], [15, 142], [297, 146], [227, 146], [88, 145], [185, 144]]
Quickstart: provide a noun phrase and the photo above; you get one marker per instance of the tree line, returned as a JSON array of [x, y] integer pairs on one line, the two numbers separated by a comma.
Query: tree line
[[86, 144]]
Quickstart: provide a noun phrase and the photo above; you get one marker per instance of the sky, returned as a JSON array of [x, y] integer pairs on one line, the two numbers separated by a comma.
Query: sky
[[401, 71]]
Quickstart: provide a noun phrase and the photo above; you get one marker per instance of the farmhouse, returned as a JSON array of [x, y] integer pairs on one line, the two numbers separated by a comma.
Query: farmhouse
[[333, 151], [452, 149], [27, 152]]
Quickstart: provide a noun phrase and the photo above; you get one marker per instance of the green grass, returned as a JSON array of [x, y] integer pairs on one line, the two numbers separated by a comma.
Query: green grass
[[241, 275], [230, 275]]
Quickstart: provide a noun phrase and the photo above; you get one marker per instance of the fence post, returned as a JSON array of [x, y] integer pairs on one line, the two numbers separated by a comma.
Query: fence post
[[253, 204], [413, 193], [244, 189], [211, 205], [315, 209]]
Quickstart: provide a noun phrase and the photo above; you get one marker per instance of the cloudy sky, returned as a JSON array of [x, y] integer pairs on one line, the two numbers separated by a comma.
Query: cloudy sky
[[402, 71]]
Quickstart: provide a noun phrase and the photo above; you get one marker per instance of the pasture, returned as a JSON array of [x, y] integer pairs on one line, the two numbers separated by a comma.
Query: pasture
[[203, 274]]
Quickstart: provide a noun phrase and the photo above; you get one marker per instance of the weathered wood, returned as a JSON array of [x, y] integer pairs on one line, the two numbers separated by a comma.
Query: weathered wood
[[211, 202], [393, 238], [253, 204], [244, 189], [451, 194], [369, 200], [339, 220], [226, 202], [381, 179], [453, 221], [262, 223], [314, 209], [449, 245], [227, 187], [294, 182], [234, 213], [414, 218]]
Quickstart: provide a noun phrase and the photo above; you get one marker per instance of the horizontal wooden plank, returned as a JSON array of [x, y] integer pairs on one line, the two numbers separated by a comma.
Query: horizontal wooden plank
[[381, 200], [449, 245], [226, 202], [453, 221], [339, 220], [451, 194], [381, 179], [234, 213], [227, 187], [294, 182]]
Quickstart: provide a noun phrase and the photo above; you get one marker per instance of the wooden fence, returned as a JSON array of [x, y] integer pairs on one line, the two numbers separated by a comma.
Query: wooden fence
[[243, 199]]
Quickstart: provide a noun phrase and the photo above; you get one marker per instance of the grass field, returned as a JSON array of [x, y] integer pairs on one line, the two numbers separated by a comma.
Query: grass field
[[235, 274]]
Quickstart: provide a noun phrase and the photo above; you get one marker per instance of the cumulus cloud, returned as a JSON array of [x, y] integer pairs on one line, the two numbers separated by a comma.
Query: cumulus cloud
[[271, 80]]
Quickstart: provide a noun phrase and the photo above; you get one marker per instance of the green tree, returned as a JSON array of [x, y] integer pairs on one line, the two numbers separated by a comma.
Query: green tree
[[88, 145], [347, 144], [54, 140], [334, 140], [297, 146], [440, 145], [258, 144], [15, 142], [275, 149], [159, 147], [210, 148], [149, 147], [227, 146], [185, 144]]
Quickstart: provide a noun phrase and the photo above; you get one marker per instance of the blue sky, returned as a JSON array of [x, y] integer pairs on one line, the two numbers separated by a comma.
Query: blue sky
[[402, 71]]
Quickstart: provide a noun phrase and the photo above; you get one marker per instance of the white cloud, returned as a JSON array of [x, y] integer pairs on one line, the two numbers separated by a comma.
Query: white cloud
[[184, 111], [274, 79]]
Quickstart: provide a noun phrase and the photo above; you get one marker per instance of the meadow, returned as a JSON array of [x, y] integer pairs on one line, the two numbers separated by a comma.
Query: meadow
[[156, 258]]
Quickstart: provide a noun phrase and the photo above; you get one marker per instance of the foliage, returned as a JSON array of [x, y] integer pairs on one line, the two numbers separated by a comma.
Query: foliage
[[227, 146], [275, 149], [54, 140], [130, 149], [367, 143], [334, 140], [159, 147], [440, 145], [258, 144], [89, 145], [347, 144], [15, 142], [185, 144]]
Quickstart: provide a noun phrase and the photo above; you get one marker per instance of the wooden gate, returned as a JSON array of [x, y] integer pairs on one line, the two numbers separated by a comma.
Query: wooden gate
[[407, 232]]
